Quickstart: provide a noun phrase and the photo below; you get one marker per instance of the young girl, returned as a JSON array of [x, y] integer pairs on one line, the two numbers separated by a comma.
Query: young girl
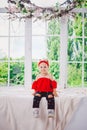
[[44, 86]]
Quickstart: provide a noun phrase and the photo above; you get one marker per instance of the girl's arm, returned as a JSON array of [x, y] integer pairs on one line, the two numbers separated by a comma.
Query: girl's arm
[[33, 92], [55, 92]]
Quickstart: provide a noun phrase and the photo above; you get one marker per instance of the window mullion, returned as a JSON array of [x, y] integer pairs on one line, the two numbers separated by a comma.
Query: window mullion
[[9, 54], [28, 52], [63, 52], [82, 49]]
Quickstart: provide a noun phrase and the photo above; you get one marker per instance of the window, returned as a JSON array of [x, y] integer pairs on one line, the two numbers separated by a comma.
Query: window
[[77, 51], [43, 41], [11, 52]]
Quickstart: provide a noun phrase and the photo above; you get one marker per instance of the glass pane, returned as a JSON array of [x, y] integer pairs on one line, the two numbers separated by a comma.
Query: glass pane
[[53, 27], [85, 5], [4, 25], [85, 16], [34, 70], [39, 47], [38, 27], [85, 75], [54, 70], [53, 47], [70, 27], [77, 25], [74, 75], [16, 73], [85, 27], [3, 48], [17, 48], [3, 74], [85, 49], [75, 49], [17, 28]]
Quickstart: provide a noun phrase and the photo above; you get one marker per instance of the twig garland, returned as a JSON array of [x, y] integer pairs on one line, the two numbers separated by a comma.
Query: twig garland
[[28, 9]]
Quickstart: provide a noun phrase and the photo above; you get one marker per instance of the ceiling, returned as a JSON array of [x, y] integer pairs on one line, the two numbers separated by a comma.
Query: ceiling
[[47, 3], [41, 3]]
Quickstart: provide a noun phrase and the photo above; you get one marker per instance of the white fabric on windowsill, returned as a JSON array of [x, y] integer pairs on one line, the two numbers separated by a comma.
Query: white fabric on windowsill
[[16, 111]]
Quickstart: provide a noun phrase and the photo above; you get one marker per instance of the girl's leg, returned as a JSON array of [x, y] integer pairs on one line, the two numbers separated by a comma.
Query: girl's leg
[[51, 101], [36, 103], [51, 104]]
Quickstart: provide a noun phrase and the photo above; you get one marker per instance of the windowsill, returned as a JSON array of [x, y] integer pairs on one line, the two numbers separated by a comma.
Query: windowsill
[[14, 90], [16, 106]]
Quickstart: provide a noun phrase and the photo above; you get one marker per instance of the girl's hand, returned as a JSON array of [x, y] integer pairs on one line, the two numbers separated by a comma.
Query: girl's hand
[[33, 93], [55, 93]]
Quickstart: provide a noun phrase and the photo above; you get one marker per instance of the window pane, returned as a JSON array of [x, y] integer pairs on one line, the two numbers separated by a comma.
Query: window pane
[[85, 75], [85, 49], [53, 27], [17, 48], [53, 47], [54, 69], [3, 74], [85, 24], [17, 28], [85, 5], [38, 27], [75, 49], [85, 28], [77, 25], [16, 73], [4, 25], [70, 27], [34, 70], [3, 48], [38, 47], [74, 75]]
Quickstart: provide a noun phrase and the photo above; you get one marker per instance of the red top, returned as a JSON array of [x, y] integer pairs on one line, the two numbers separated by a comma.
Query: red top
[[44, 85]]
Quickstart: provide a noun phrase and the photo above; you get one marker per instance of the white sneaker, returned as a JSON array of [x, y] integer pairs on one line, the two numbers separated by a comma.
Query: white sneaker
[[50, 113], [36, 112]]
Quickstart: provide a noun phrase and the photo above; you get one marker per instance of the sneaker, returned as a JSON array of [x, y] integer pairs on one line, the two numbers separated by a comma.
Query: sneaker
[[50, 113], [36, 112]]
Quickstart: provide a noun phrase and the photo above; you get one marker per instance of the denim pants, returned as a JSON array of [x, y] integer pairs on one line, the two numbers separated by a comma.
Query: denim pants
[[50, 101]]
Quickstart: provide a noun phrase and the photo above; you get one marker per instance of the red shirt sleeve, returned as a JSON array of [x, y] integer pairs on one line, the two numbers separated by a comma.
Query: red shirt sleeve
[[54, 84], [34, 85]]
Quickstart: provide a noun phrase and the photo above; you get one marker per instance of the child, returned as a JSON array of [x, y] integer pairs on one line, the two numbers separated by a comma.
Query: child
[[44, 86]]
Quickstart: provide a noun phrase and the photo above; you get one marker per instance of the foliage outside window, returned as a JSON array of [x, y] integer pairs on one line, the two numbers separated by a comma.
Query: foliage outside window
[[77, 51]]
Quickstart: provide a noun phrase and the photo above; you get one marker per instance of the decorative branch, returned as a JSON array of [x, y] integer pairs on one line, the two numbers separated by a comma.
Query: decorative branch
[[29, 9]]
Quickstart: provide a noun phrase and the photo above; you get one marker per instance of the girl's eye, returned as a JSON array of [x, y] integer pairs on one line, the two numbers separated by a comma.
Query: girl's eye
[[42, 67]]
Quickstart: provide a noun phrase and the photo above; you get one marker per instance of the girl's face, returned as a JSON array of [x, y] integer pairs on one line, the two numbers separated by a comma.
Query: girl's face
[[43, 68]]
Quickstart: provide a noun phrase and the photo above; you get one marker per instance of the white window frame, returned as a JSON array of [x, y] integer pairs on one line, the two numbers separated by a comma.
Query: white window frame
[[63, 50], [28, 53]]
